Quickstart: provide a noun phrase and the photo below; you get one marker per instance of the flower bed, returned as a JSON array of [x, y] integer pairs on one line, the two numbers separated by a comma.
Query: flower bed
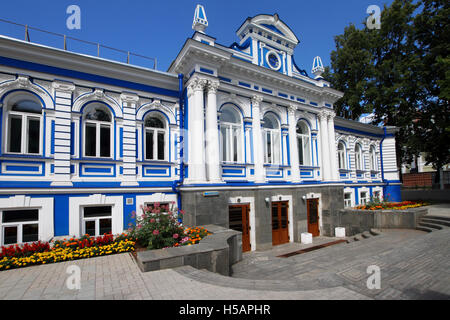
[[384, 205], [73, 249]]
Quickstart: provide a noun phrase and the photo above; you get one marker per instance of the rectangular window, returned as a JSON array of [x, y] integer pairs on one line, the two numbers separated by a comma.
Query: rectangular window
[[91, 140], [10, 235], [34, 135], [105, 141], [15, 134], [223, 131], [97, 220], [347, 200], [363, 198], [20, 226]]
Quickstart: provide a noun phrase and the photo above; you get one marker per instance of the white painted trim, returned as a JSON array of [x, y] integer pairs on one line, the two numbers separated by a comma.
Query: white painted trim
[[45, 207], [153, 198], [77, 203]]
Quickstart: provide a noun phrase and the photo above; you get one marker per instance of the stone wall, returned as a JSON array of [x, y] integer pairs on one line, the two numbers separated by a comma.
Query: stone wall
[[358, 221], [202, 210], [216, 253]]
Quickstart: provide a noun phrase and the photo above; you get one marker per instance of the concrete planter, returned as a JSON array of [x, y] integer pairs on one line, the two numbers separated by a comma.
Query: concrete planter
[[357, 221], [215, 253]]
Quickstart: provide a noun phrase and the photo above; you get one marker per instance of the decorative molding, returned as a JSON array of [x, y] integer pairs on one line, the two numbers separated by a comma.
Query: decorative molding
[[63, 86], [23, 83]]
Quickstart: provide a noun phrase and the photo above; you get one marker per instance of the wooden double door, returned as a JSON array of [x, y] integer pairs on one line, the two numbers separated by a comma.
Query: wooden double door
[[239, 219], [313, 217], [280, 222]]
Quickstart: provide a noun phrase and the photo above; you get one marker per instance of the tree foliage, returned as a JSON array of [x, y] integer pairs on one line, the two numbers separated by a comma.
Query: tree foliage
[[400, 73]]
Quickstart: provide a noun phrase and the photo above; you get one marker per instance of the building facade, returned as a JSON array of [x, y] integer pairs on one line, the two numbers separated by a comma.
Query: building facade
[[237, 136]]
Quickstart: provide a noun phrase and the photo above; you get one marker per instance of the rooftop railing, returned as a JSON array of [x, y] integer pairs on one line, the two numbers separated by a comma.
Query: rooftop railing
[[68, 43]]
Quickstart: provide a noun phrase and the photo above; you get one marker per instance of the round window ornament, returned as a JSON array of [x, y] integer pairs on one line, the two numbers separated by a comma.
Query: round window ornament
[[273, 60]]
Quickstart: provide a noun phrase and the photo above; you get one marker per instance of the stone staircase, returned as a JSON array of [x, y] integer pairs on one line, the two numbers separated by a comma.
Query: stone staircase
[[364, 235], [430, 223]]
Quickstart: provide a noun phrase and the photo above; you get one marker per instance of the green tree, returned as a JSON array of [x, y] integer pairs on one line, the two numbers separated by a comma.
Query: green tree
[[401, 74]]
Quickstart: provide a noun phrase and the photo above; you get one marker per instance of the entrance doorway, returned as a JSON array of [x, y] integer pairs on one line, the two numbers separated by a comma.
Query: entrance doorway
[[239, 218], [313, 217], [280, 223]]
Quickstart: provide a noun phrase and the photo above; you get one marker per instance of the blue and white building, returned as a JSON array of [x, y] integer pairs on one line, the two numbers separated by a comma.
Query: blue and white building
[[236, 135]]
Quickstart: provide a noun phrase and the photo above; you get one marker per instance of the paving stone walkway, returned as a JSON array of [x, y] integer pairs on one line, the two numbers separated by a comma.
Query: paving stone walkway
[[414, 265]]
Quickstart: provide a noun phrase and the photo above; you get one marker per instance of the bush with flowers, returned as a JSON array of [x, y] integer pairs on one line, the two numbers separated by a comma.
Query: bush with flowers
[[159, 227], [18, 256]]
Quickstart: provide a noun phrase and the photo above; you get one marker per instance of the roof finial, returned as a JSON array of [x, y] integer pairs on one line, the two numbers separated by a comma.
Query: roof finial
[[317, 68], [200, 20]]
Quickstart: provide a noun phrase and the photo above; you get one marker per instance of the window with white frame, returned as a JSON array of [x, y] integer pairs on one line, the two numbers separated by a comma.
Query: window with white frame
[[347, 199], [377, 195], [363, 197], [373, 159], [231, 135], [98, 131], [342, 156], [272, 140], [303, 144], [97, 221], [358, 157], [155, 138], [19, 226], [24, 125]]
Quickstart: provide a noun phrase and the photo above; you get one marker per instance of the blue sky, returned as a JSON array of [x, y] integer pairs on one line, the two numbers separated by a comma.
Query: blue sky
[[160, 28]]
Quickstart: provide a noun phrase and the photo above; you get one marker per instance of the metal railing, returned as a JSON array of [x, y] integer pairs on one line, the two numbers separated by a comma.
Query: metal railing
[[66, 40]]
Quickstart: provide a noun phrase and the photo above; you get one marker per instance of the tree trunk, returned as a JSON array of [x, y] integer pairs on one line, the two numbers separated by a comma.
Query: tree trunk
[[441, 178]]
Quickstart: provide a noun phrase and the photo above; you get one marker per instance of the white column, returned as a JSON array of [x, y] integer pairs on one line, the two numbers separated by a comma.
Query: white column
[[63, 108], [325, 168], [212, 134], [257, 140], [293, 145], [129, 102], [196, 164], [332, 145]]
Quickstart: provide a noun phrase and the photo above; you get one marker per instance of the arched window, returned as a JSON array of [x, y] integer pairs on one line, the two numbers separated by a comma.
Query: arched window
[[373, 159], [342, 156], [358, 157], [304, 144], [24, 124], [98, 133], [271, 138], [155, 137], [231, 135]]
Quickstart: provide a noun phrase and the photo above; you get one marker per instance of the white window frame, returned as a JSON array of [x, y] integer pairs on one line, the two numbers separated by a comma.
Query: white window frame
[[8, 114], [76, 205], [96, 219], [373, 159], [275, 148], [19, 226], [307, 154], [155, 132], [231, 130], [21, 202], [366, 199], [98, 125], [358, 157], [348, 203], [342, 156]]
